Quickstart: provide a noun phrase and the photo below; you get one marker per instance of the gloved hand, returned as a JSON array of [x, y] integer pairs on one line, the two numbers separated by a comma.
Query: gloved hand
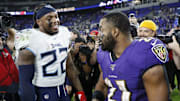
[[81, 96]]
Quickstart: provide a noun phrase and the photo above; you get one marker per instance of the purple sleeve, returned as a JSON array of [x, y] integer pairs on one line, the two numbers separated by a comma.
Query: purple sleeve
[[156, 53], [99, 55]]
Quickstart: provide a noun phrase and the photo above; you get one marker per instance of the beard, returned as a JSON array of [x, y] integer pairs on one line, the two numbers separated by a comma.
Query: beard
[[50, 32], [108, 43], [49, 29]]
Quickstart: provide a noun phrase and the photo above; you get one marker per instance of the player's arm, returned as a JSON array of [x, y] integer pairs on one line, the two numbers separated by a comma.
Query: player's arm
[[175, 46], [73, 77], [176, 59], [11, 38], [100, 89], [155, 84], [26, 73], [11, 34], [93, 58]]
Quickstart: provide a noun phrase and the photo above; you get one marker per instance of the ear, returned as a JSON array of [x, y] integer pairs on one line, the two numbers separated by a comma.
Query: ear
[[115, 32], [38, 21], [137, 30], [154, 33]]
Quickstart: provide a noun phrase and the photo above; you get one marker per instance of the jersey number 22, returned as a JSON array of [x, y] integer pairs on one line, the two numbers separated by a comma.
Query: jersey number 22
[[54, 55]]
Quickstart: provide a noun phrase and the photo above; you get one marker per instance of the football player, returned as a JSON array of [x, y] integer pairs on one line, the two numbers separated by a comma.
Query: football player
[[131, 70], [44, 62]]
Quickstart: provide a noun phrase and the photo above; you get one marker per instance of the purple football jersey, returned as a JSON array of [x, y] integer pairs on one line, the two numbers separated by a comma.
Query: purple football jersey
[[124, 75]]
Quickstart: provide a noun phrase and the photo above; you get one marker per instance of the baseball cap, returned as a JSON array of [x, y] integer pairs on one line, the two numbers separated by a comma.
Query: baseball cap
[[149, 24]]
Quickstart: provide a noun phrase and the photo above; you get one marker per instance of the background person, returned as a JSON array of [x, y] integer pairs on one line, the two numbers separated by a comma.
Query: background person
[[147, 28], [9, 78]]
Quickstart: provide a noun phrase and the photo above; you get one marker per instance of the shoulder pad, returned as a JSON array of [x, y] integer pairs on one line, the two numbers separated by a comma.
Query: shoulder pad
[[22, 38]]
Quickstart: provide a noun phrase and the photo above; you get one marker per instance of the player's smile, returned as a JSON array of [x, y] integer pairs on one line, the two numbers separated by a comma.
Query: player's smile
[[54, 26]]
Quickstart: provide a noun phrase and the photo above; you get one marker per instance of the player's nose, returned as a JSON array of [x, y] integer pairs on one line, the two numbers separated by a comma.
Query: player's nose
[[140, 34], [55, 21]]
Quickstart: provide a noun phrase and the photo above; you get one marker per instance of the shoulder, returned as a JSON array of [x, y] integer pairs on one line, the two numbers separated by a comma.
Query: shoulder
[[63, 28], [101, 55], [25, 34], [22, 38], [26, 31], [148, 42], [153, 48], [64, 33]]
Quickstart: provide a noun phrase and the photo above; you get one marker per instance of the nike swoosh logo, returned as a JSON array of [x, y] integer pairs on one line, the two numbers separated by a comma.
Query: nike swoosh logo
[[153, 43]]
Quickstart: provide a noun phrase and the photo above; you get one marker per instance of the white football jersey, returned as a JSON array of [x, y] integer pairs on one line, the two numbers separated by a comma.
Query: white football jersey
[[22, 41], [22, 38], [51, 53]]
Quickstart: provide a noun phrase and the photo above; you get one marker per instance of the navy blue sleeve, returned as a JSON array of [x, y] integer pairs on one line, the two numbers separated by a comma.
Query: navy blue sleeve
[[26, 88], [68, 82]]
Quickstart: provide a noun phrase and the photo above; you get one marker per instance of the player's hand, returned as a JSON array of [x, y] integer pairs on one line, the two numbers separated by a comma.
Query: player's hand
[[173, 44], [69, 89], [81, 96], [91, 45]]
